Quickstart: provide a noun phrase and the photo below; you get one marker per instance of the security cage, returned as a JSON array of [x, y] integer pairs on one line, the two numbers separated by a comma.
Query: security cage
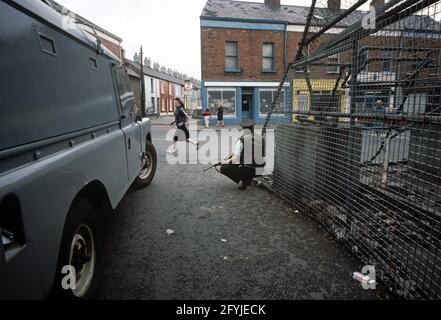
[[362, 155]]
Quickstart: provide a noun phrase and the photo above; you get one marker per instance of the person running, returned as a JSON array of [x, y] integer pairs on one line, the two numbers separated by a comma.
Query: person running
[[181, 119]]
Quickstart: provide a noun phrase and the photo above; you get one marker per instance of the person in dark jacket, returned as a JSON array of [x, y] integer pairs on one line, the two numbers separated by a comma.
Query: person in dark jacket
[[220, 117], [181, 119], [249, 155]]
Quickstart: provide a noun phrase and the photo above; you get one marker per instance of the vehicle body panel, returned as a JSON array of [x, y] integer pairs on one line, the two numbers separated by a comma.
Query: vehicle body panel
[[29, 82], [62, 128]]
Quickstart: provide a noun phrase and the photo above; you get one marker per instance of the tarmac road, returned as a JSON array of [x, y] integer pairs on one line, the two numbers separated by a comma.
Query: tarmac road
[[226, 243]]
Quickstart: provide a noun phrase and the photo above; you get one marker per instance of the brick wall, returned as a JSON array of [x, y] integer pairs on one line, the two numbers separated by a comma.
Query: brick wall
[[114, 48], [250, 53], [136, 87], [167, 97]]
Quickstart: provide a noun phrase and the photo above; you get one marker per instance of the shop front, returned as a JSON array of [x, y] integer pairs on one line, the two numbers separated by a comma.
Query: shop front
[[245, 100]]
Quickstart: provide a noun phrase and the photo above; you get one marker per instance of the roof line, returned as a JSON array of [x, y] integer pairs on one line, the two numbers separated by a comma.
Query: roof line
[[165, 76], [244, 20], [281, 5], [91, 24]]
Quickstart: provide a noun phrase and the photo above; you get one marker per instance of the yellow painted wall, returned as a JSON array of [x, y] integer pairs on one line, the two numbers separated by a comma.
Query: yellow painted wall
[[300, 87]]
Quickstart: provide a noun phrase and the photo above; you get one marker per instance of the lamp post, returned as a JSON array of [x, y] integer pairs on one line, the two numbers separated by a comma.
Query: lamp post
[[143, 98]]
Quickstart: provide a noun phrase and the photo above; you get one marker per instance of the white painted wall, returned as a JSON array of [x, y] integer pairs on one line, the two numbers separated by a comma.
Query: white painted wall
[[152, 92], [178, 91]]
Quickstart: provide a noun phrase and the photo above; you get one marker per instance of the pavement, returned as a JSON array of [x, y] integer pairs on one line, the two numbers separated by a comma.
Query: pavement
[[165, 121], [162, 121], [195, 236]]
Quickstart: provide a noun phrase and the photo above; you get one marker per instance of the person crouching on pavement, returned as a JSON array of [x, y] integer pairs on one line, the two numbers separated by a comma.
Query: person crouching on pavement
[[181, 119], [248, 156]]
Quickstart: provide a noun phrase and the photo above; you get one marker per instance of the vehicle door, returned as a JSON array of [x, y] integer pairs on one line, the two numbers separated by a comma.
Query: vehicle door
[[129, 126]]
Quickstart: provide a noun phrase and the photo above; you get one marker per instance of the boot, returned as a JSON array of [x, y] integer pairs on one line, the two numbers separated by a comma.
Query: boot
[[244, 185]]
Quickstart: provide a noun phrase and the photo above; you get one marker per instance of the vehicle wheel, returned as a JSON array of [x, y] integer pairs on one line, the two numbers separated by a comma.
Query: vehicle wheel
[[80, 249], [148, 171]]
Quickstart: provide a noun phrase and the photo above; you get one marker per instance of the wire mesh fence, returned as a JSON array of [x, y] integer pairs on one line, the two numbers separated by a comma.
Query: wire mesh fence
[[362, 154]]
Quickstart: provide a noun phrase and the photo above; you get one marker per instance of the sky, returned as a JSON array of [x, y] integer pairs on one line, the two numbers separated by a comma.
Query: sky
[[168, 30]]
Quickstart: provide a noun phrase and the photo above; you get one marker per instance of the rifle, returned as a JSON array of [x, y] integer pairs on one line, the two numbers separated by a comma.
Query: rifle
[[217, 164], [214, 165]]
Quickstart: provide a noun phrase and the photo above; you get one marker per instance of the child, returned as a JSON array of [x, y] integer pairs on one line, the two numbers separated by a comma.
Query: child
[[181, 119], [207, 117]]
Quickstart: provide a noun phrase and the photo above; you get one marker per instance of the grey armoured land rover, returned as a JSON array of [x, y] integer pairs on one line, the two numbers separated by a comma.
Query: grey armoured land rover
[[71, 145]]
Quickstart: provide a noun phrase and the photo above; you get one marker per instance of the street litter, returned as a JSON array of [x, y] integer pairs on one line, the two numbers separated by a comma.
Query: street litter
[[224, 240], [170, 231], [363, 278]]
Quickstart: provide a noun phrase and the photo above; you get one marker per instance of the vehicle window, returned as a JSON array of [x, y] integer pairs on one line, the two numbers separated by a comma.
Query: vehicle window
[[126, 95]]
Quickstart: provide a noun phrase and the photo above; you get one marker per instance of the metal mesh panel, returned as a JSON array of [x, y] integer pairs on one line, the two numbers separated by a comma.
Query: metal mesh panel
[[362, 154]]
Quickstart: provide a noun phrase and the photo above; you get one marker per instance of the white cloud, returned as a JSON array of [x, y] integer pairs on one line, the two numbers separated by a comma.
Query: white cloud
[[168, 30]]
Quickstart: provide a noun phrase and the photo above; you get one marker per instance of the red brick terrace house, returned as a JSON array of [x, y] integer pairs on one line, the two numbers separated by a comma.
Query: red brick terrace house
[[245, 48]]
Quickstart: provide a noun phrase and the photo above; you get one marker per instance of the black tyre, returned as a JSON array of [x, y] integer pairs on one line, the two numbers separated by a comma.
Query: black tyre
[[148, 171], [80, 249]]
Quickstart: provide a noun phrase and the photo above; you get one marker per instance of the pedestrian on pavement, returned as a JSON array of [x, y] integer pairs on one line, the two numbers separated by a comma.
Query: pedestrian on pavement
[[207, 117], [181, 119], [220, 116], [242, 165]]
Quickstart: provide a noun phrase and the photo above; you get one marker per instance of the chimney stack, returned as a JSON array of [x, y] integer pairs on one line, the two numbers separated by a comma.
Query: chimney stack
[[148, 63], [334, 4], [274, 4], [377, 4], [137, 58]]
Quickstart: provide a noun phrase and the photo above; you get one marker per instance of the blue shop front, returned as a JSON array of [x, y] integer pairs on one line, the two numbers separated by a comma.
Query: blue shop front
[[246, 100]]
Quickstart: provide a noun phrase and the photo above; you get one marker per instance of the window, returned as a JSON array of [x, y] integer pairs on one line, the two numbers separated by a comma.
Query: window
[[47, 45], [126, 95], [231, 56], [325, 101], [334, 66], [152, 84], [222, 97], [268, 57], [267, 97], [387, 64], [303, 103]]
